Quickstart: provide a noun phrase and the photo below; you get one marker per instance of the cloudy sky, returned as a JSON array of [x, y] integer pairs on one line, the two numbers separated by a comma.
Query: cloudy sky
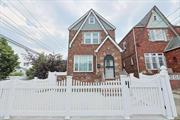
[[43, 25]]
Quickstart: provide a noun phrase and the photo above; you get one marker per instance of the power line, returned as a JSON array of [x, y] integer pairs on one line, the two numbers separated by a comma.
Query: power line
[[25, 32], [23, 19], [37, 21], [18, 44]]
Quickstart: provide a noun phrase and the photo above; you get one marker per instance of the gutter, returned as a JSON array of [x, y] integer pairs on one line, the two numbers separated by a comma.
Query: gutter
[[137, 61]]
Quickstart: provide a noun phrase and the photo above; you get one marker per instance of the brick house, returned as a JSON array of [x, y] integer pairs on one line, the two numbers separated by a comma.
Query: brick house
[[172, 54], [144, 45], [93, 54]]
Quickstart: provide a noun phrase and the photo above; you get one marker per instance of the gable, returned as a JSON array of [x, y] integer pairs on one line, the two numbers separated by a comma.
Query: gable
[[111, 40], [95, 26], [156, 21], [83, 24], [104, 22]]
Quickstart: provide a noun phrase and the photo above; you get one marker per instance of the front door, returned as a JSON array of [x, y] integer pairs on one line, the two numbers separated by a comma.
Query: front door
[[109, 67]]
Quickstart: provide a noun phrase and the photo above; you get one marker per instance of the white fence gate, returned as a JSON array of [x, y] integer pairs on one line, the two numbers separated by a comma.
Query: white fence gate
[[124, 97]]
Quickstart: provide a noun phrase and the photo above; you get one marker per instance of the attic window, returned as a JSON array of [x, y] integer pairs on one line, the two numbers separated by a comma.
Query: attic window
[[155, 18], [91, 20]]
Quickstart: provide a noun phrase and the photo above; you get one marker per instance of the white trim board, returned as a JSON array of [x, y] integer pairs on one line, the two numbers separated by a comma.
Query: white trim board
[[93, 12], [108, 38]]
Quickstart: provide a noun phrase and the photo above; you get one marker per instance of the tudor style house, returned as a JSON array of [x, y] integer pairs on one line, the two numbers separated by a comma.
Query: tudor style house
[[146, 44], [93, 54]]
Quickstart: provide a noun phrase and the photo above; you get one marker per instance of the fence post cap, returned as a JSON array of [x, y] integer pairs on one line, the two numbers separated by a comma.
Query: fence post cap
[[162, 68]]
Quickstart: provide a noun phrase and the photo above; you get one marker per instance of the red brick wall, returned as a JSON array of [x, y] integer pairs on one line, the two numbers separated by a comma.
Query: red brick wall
[[109, 49], [143, 45], [129, 53], [173, 60], [175, 84], [78, 48]]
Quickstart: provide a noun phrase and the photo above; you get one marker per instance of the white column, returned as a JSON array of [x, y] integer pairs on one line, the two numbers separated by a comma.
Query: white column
[[167, 94], [125, 96], [68, 97], [52, 78]]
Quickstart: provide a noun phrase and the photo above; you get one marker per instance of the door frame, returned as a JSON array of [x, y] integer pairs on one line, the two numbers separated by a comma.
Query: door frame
[[111, 58]]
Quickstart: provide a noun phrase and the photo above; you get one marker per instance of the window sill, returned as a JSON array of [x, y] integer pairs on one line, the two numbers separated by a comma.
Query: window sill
[[158, 40], [82, 71]]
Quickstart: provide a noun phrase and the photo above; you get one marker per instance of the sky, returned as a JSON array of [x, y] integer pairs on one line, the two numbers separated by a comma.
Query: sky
[[42, 25]]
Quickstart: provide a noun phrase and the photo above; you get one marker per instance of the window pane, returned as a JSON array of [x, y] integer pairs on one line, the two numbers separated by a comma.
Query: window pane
[[154, 62], [157, 34], [161, 62], [147, 61], [95, 37], [87, 38], [83, 63]]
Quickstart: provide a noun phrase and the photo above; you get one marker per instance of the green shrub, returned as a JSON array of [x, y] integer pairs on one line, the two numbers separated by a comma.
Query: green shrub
[[16, 74]]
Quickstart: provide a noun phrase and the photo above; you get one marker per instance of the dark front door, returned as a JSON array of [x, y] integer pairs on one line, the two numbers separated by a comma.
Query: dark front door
[[109, 67]]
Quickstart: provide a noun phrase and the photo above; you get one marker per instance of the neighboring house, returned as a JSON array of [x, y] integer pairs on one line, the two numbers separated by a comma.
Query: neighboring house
[[143, 47], [93, 54], [172, 53]]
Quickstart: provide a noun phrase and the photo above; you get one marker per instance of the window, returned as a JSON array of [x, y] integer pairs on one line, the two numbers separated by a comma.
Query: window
[[157, 35], [155, 18], [83, 63], [91, 20], [91, 38], [154, 61]]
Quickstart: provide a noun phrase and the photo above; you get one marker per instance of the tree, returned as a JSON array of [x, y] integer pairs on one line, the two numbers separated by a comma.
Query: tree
[[8, 59], [43, 63]]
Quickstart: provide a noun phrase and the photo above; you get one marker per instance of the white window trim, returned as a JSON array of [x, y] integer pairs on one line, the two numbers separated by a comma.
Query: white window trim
[[83, 71], [91, 33], [151, 63], [89, 20], [132, 61], [154, 40]]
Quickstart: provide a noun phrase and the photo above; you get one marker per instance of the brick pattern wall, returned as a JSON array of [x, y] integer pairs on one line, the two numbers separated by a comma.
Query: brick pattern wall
[[109, 49], [173, 60], [78, 48], [143, 45], [129, 53]]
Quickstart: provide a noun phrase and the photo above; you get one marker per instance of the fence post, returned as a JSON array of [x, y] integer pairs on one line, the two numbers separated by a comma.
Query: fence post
[[125, 96], [68, 97], [10, 100], [52, 78], [167, 94]]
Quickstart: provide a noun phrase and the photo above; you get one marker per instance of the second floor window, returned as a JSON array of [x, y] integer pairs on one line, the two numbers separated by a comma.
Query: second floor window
[[154, 61], [91, 38], [157, 35]]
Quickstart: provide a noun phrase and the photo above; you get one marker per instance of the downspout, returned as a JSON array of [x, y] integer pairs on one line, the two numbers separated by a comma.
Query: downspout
[[137, 61]]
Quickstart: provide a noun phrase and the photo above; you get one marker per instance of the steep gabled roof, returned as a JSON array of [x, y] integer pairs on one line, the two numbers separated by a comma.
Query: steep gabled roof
[[145, 20], [80, 23], [173, 44], [113, 41]]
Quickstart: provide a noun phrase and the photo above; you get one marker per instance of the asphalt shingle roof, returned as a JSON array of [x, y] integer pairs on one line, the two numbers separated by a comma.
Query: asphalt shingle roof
[[173, 44]]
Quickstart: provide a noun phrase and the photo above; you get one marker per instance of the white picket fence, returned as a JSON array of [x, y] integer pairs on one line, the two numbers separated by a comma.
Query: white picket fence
[[124, 97]]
